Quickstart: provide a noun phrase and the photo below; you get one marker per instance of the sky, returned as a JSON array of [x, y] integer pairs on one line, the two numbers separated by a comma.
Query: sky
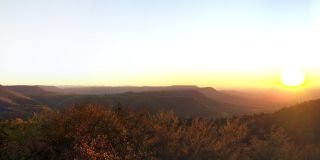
[[218, 43]]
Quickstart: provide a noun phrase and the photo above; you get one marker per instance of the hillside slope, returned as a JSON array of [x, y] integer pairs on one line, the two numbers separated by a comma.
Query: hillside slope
[[30, 90], [301, 121], [14, 104], [182, 103], [13, 98], [260, 103], [93, 132]]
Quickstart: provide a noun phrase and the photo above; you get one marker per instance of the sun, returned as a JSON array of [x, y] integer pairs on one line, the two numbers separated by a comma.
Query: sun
[[292, 76]]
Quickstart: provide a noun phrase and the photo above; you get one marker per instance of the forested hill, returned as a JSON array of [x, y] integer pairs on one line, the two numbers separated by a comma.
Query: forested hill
[[92, 132], [196, 102], [14, 104], [301, 121], [13, 98], [184, 101]]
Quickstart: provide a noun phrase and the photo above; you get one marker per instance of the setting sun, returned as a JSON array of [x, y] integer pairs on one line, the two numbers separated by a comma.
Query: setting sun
[[292, 76]]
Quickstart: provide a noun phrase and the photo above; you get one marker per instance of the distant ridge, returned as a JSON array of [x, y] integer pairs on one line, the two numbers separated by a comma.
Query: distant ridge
[[103, 90], [13, 98], [184, 100], [16, 105], [29, 90], [257, 105]]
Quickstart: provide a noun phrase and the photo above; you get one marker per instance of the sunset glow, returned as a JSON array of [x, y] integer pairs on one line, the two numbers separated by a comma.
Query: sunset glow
[[292, 76], [222, 44]]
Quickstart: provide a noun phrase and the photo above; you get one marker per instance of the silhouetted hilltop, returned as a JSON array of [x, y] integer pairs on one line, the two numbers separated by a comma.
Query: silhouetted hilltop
[[102, 90], [30, 90], [270, 99], [186, 103], [266, 101], [14, 104], [13, 98], [301, 121], [261, 104]]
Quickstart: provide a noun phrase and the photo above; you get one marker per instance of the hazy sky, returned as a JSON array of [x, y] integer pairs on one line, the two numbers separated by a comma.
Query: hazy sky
[[220, 43]]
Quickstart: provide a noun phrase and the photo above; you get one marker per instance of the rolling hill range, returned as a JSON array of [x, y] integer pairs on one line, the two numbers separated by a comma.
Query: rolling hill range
[[258, 102], [300, 120], [291, 133], [269, 99], [106, 90], [184, 101], [14, 104], [30, 90], [10, 97]]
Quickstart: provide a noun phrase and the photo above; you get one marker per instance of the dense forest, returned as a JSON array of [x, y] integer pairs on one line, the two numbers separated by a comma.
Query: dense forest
[[95, 132]]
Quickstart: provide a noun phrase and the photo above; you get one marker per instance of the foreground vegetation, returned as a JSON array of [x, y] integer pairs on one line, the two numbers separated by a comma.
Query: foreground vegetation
[[91, 132]]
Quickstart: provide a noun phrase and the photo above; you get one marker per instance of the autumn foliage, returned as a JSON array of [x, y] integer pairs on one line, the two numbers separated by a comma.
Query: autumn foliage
[[97, 133]]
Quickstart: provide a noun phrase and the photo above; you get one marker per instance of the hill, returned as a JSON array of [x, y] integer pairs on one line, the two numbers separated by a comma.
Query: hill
[[13, 98], [106, 90], [258, 104], [14, 104], [263, 101], [195, 102], [301, 121], [30, 90], [183, 103], [92, 132], [182, 100]]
